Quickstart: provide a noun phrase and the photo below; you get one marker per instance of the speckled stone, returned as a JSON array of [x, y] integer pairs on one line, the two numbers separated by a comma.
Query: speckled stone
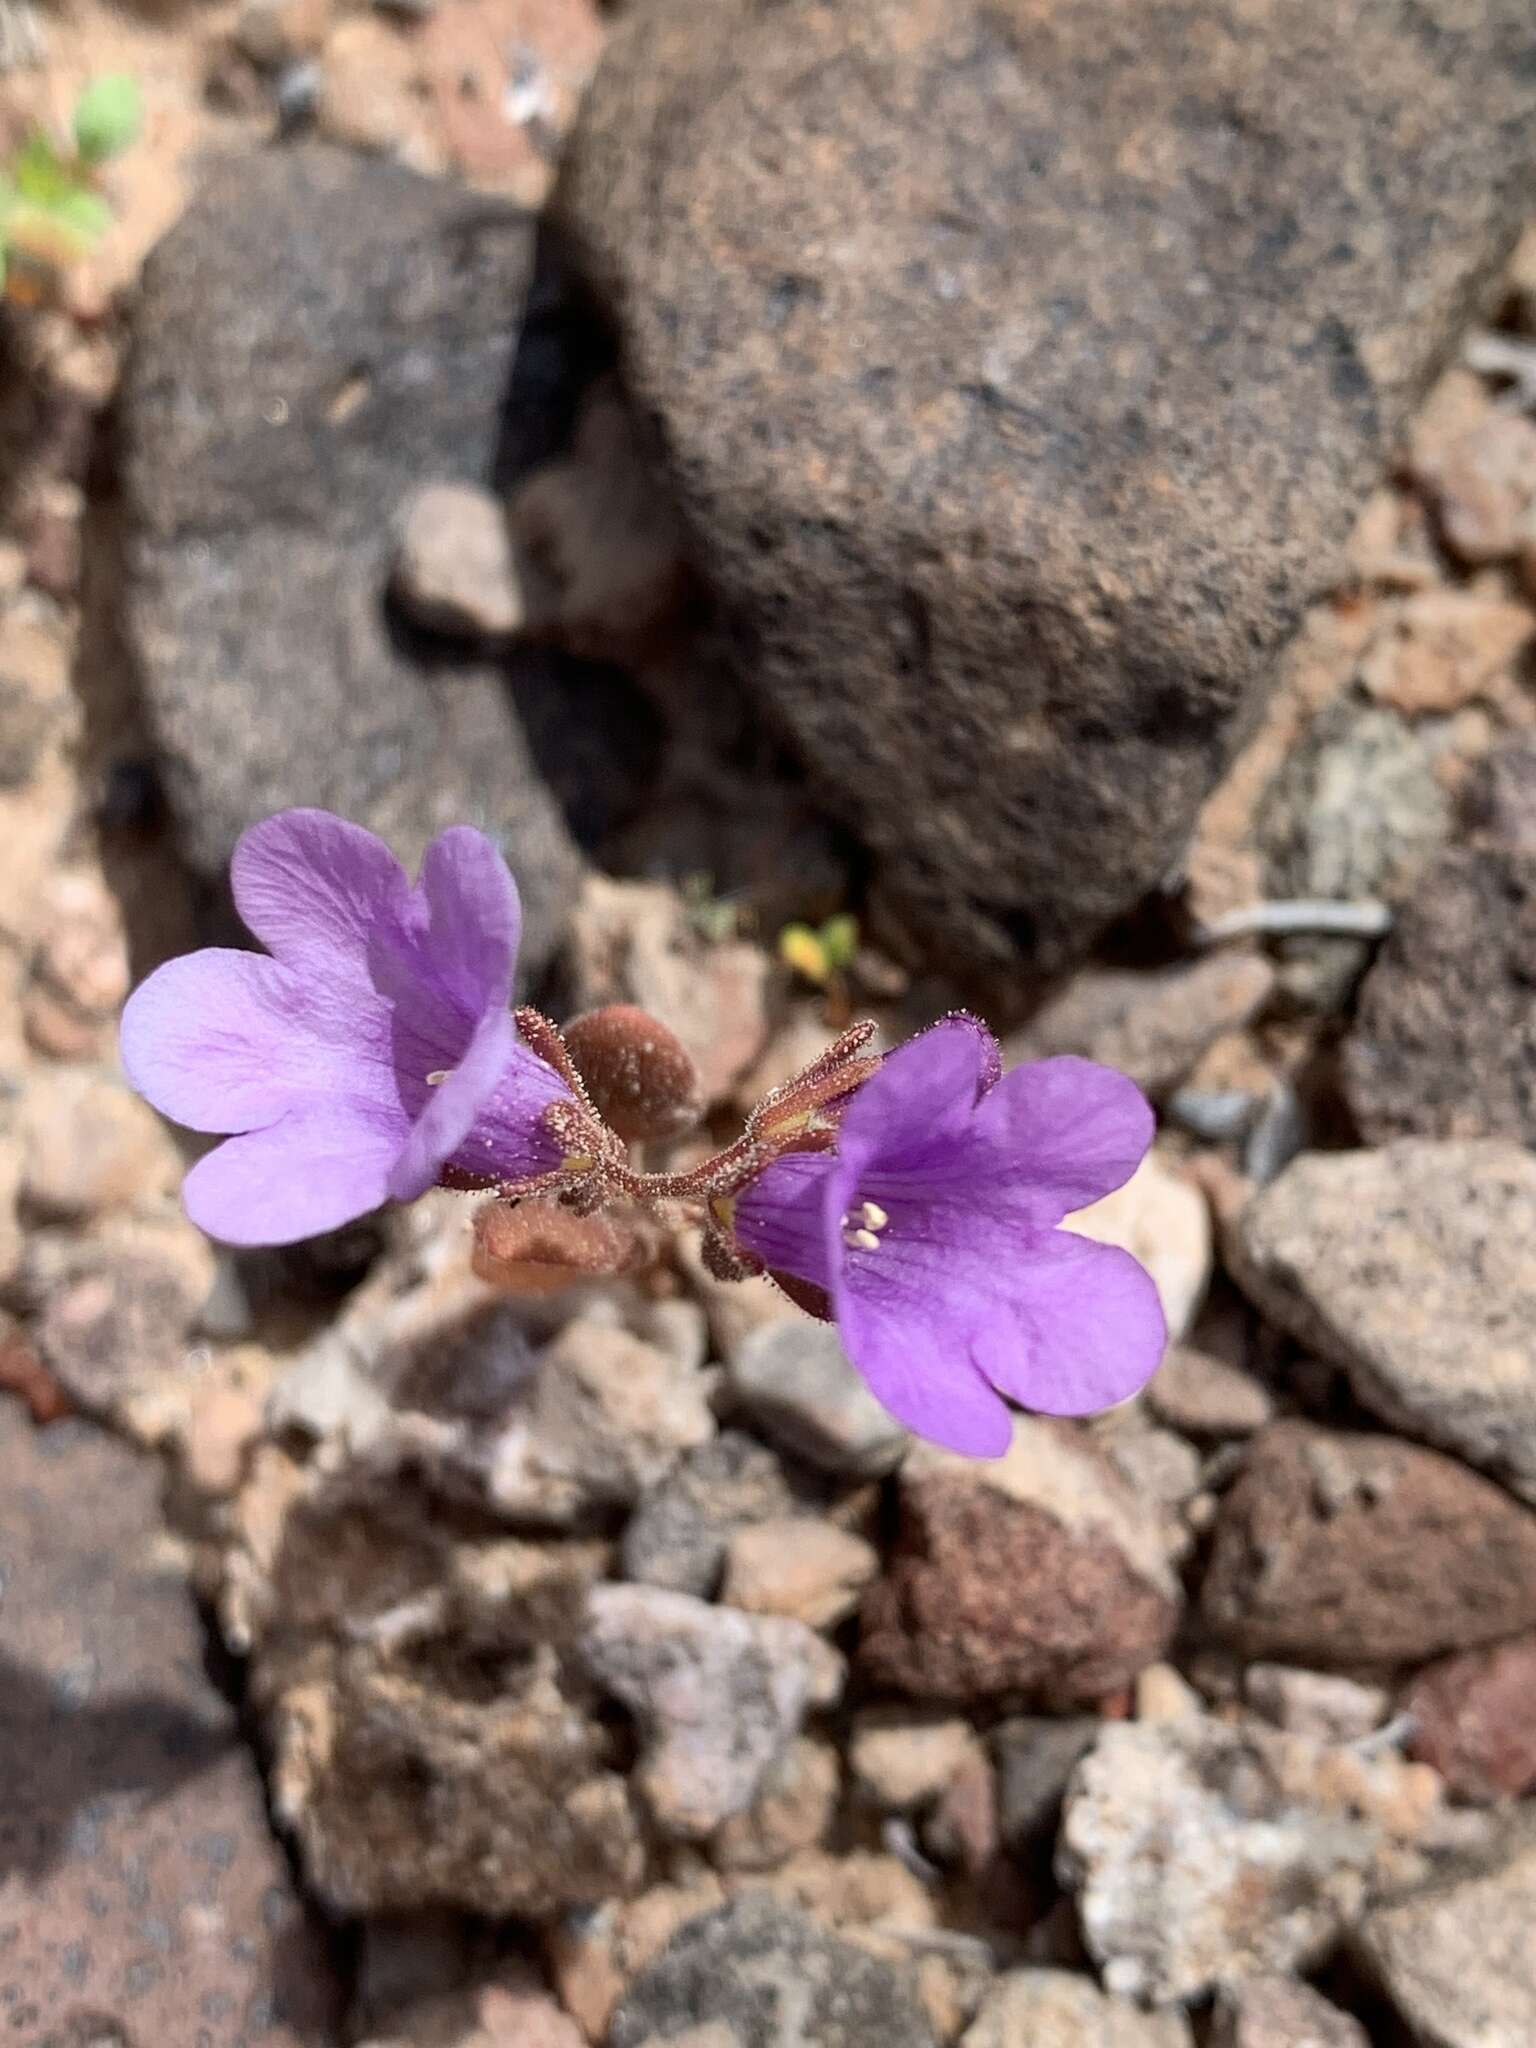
[[318, 336], [1425, 1061], [143, 1900], [1019, 369], [757, 1974]]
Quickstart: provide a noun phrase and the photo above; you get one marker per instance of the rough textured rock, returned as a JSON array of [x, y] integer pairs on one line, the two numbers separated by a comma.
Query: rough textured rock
[[454, 572], [116, 1310], [1343, 1550], [793, 1812], [317, 337], [1423, 1060], [719, 1695], [1442, 649], [1456, 1959], [757, 1974], [1020, 379], [142, 1896], [901, 1761], [1321, 1704], [1500, 799], [1473, 1720], [1414, 1268], [593, 1957], [433, 1743], [1055, 2009], [508, 2009], [1153, 1025], [91, 1146], [1202, 1852], [1277, 2012], [605, 1416], [799, 1566], [634, 942], [1482, 486], [1037, 1574], [793, 1379], [1201, 1395], [1355, 809], [678, 1534]]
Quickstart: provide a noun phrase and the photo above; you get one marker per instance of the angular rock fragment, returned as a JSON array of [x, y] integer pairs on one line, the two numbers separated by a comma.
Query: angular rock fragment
[[1414, 1268], [757, 1974], [1456, 1958], [1344, 1550], [1202, 1853], [719, 1695], [1039, 1574]]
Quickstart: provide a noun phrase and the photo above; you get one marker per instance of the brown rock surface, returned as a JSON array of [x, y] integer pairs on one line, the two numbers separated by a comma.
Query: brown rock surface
[[431, 1743], [1413, 1267], [1474, 1719], [1278, 2012], [1152, 1025], [140, 1888], [1020, 376], [1343, 1550], [1423, 1059], [1039, 1574]]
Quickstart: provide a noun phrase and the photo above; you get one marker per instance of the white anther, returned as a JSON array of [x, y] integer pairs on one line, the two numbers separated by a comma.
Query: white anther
[[873, 1216], [436, 1080], [861, 1240]]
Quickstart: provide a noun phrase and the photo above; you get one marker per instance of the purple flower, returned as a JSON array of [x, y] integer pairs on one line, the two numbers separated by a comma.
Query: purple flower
[[932, 1230], [373, 1048]]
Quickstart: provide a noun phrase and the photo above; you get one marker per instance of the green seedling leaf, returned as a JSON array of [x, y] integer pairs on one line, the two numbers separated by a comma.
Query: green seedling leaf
[[840, 940], [41, 176], [108, 116]]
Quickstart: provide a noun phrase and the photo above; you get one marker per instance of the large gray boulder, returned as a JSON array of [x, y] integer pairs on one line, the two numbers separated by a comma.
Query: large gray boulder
[[319, 336], [1019, 369]]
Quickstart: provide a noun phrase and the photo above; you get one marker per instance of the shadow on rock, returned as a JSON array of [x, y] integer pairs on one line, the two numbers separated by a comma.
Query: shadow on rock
[[70, 1760]]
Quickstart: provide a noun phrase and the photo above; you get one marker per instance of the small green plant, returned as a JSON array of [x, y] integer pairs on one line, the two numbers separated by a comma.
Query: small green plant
[[52, 212], [819, 954], [716, 919]]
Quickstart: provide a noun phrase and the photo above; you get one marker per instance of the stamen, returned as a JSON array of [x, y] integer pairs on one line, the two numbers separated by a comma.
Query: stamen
[[861, 1226], [436, 1080]]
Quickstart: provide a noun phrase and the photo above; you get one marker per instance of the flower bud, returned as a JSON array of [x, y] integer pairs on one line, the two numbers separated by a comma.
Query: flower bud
[[643, 1084], [537, 1247]]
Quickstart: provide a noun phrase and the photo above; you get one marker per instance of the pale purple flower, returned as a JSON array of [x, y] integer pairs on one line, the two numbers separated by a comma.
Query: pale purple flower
[[932, 1230], [372, 1050]]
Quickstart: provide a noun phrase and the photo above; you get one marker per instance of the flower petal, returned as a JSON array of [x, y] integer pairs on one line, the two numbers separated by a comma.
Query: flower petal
[[318, 891], [314, 1170], [1069, 1129], [923, 1095], [1077, 1327], [510, 1140], [228, 1041], [914, 1358], [779, 1216], [474, 919], [450, 1109]]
